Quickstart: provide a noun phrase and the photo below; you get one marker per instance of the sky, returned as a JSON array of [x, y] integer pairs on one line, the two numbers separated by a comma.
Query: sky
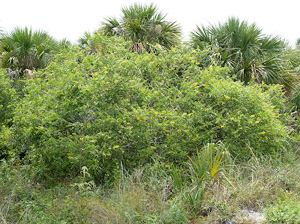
[[71, 18]]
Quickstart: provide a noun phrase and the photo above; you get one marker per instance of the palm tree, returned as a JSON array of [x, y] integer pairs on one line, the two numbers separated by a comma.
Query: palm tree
[[83, 41], [144, 26], [24, 49], [64, 44], [243, 47]]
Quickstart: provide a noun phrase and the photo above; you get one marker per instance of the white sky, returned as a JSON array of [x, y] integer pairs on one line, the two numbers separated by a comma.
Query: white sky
[[71, 18]]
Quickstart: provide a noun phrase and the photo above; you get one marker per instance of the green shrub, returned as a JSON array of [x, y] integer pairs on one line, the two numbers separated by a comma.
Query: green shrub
[[7, 98], [285, 211], [105, 106], [175, 214]]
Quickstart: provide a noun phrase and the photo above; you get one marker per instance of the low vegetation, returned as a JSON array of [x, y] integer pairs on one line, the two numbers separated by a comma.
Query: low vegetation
[[106, 134]]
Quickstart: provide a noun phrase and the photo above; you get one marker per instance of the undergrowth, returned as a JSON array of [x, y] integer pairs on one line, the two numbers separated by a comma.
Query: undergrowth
[[151, 194]]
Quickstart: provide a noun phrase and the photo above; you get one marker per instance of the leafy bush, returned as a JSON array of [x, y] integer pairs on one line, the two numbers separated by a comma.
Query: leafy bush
[[174, 215], [7, 98], [7, 95], [104, 105]]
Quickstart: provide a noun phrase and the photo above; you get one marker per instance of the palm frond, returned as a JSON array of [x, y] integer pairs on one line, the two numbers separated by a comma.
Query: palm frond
[[170, 35], [201, 37], [145, 26], [83, 41], [24, 48], [111, 27], [244, 48]]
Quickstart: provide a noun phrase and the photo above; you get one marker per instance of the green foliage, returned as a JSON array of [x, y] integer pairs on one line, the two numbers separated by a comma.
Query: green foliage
[[205, 166], [179, 179], [251, 55], [64, 44], [146, 196], [112, 106], [8, 97], [98, 113], [207, 162], [194, 199], [15, 186], [285, 211], [174, 215], [83, 41], [242, 117], [86, 184], [293, 55], [24, 201], [144, 26], [26, 49]]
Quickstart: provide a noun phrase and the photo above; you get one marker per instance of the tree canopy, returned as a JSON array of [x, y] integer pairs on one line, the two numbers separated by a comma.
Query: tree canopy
[[144, 26], [243, 47], [24, 48]]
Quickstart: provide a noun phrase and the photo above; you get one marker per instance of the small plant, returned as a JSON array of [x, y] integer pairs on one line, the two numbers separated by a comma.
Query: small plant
[[194, 199], [175, 214], [178, 179], [86, 184], [208, 161]]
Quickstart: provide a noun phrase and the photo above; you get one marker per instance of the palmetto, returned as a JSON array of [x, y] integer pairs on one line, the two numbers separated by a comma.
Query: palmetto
[[243, 47], [24, 49], [144, 26]]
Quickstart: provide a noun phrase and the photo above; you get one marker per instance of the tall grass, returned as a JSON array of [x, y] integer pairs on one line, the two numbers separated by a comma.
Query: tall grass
[[153, 194]]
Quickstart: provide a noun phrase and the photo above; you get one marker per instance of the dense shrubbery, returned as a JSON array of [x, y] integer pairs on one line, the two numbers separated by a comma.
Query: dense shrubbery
[[104, 106], [108, 133], [7, 97]]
